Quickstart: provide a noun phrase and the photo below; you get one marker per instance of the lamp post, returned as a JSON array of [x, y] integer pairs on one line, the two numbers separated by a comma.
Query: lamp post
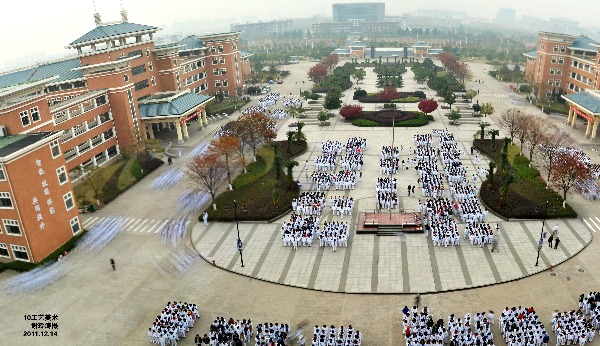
[[542, 235], [237, 225]]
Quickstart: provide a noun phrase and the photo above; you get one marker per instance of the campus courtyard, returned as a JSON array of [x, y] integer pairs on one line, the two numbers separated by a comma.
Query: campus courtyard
[[365, 284]]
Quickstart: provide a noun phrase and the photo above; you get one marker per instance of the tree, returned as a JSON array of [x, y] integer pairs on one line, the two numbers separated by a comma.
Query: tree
[[388, 94], [492, 165], [290, 137], [421, 75], [289, 165], [482, 131], [476, 108], [359, 75], [487, 109], [567, 172], [332, 99], [206, 171], [227, 147], [507, 179], [550, 148], [323, 116], [428, 106], [93, 179], [299, 134], [450, 98], [537, 129], [470, 94], [493, 133], [295, 111], [330, 61], [509, 121], [277, 161], [254, 129], [454, 115], [522, 127], [317, 73], [350, 112]]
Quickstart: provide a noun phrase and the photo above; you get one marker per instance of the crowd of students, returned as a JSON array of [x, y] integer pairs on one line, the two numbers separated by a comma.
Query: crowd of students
[[332, 336], [521, 326], [173, 322], [299, 231], [386, 189], [309, 203]]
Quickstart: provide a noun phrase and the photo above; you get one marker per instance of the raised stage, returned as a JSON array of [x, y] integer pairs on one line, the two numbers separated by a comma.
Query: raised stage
[[383, 222]]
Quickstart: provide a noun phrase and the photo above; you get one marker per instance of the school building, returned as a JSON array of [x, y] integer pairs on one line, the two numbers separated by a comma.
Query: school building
[[119, 89]]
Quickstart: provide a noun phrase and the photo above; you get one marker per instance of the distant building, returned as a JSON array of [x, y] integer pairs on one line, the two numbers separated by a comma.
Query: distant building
[[506, 16], [358, 12], [417, 51], [269, 29]]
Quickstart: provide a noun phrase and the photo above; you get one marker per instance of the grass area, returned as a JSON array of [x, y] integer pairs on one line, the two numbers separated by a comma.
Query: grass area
[[381, 119], [228, 106], [527, 195], [25, 266], [255, 190], [553, 107], [116, 178]]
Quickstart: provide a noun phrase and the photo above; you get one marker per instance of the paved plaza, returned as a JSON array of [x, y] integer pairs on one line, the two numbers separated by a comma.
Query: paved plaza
[[98, 306]]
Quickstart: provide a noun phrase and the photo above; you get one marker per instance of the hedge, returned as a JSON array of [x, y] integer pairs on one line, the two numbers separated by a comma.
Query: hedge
[[139, 168], [365, 123], [376, 98], [414, 119], [408, 99]]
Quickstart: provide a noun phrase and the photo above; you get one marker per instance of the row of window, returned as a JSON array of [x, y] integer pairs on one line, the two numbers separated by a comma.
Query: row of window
[[66, 86], [20, 252], [580, 65], [581, 78], [30, 116], [194, 78], [555, 48], [193, 66], [218, 60], [219, 84], [557, 71], [223, 72], [82, 128], [554, 82], [88, 144], [557, 59]]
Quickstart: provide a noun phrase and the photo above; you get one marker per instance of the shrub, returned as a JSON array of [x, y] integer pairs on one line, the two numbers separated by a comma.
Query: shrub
[[386, 118], [376, 98], [313, 96], [351, 111], [525, 88], [359, 93], [389, 105], [365, 123], [408, 99]]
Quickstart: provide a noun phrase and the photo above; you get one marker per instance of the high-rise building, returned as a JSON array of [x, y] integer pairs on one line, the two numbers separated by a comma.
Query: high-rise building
[[356, 12], [505, 16]]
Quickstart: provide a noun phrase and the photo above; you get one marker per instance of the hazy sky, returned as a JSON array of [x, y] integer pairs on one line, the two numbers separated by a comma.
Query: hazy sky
[[32, 28]]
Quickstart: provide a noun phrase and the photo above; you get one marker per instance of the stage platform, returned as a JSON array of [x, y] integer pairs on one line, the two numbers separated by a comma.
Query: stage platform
[[389, 223]]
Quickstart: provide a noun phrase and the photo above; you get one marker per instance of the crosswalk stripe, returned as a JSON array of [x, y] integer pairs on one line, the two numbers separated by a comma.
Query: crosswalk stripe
[[132, 225], [89, 221], [595, 224], [139, 226], [128, 222], [590, 227], [597, 219], [153, 224], [161, 226]]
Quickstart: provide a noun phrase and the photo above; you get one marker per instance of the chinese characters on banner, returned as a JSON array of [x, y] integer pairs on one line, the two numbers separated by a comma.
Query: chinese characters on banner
[[46, 192]]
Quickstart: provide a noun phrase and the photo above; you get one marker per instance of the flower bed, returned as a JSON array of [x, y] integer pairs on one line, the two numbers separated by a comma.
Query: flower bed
[[388, 118], [376, 98]]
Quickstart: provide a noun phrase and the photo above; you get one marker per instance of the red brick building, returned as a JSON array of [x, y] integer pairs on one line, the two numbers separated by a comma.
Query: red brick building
[[120, 88]]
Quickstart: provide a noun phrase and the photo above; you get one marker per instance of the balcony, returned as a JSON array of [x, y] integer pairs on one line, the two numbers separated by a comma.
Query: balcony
[[75, 113], [93, 124], [97, 140], [104, 117], [81, 129], [88, 108], [84, 147], [70, 155], [66, 136], [61, 119]]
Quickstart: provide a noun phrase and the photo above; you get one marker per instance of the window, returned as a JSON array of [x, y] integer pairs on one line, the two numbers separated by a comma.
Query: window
[[35, 114], [552, 71], [175, 62], [62, 175], [75, 227], [563, 49], [126, 78], [68, 198], [220, 48], [221, 60], [11, 227], [234, 47], [24, 118], [141, 85], [55, 148], [561, 60], [215, 61], [216, 71], [225, 83], [138, 69], [137, 54], [5, 201], [213, 50], [559, 71], [217, 83], [150, 66], [557, 82], [4, 250], [147, 51], [553, 60], [549, 93], [224, 72], [19, 252], [2, 175], [542, 47], [555, 48], [153, 81], [550, 82]]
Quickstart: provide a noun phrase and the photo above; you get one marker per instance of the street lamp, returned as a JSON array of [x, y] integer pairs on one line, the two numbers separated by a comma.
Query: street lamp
[[542, 234], [237, 225]]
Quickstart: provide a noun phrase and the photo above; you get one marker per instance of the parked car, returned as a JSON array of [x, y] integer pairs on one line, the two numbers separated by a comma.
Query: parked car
[[280, 81]]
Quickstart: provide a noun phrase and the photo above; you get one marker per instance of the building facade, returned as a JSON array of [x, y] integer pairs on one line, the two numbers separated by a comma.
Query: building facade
[[362, 11], [563, 64], [120, 88]]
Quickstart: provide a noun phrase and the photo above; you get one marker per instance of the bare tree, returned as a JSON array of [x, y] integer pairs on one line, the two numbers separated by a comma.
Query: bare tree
[[550, 149], [206, 172], [537, 130], [92, 178], [227, 147], [509, 121], [522, 128]]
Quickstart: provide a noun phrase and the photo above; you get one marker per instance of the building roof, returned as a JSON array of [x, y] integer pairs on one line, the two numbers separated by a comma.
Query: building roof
[[13, 143], [583, 43], [357, 44], [191, 42], [245, 54], [176, 106], [110, 30], [532, 54], [63, 69], [341, 51], [587, 100]]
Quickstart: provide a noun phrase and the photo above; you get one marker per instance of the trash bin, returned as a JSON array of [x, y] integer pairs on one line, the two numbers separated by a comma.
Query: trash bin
[[91, 208]]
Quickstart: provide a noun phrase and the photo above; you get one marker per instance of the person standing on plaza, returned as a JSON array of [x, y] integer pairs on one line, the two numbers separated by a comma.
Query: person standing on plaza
[[556, 242], [409, 188], [550, 240], [112, 263], [205, 218], [555, 230]]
